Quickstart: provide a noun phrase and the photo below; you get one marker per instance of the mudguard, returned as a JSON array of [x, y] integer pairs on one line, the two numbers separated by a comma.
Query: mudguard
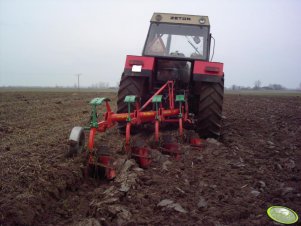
[[204, 71]]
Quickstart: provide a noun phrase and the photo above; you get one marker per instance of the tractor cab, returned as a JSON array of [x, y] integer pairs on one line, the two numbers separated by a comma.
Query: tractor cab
[[176, 41], [177, 36]]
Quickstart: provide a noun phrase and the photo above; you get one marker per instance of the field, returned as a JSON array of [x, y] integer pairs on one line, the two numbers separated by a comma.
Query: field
[[232, 181]]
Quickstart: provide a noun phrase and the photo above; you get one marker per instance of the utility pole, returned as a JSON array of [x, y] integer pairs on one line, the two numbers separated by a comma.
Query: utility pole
[[78, 75]]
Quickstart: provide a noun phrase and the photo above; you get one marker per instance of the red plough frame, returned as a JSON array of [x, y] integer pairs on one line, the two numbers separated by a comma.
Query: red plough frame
[[137, 117]]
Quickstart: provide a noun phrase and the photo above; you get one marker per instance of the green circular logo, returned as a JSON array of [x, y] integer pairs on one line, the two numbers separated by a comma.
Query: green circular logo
[[282, 214]]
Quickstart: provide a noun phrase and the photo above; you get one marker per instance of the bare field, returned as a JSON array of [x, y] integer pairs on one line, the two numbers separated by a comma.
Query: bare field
[[264, 92], [232, 181]]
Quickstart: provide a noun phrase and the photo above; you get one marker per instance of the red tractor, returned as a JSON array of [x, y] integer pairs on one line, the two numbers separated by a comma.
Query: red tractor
[[177, 48], [172, 83]]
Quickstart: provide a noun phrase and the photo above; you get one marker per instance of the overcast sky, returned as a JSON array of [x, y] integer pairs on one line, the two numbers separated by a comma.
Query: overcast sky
[[47, 42]]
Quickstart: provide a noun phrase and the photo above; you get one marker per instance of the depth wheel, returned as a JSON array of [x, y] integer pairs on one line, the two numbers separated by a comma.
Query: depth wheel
[[76, 142]]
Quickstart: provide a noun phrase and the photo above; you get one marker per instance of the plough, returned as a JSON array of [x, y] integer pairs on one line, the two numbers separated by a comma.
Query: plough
[[176, 111]]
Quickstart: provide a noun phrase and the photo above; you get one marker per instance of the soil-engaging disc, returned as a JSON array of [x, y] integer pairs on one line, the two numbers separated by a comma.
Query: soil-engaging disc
[[282, 214]]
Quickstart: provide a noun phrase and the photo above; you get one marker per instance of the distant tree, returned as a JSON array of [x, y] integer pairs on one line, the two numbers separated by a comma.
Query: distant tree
[[276, 87], [100, 85], [236, 87], [257, 85]]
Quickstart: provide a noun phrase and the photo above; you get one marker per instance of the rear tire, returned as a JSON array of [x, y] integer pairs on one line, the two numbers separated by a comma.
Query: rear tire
[[210, 109], [129, 85]]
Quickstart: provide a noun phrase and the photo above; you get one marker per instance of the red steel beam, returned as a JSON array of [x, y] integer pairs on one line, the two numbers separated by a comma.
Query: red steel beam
[[158, 92], [144, 116]]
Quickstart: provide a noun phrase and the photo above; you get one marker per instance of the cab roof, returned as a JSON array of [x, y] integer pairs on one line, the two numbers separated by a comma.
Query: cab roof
[[180, 19]]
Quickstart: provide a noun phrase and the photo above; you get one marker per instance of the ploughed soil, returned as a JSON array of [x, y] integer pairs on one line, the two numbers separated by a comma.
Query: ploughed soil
[[231, 181]]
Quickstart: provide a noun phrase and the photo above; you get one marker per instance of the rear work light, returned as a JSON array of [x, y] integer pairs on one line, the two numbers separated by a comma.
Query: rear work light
[[212, 69]]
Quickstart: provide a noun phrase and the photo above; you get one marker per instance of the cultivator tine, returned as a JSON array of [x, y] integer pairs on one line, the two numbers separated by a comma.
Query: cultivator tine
[[100, 163], [170, 146], [195, 141], [143, 158], [105, 162], [128, 134], [140, 152], [91, 139], [172, 150], [180, 99], [157, 101], [181, 127], [157, 129]]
